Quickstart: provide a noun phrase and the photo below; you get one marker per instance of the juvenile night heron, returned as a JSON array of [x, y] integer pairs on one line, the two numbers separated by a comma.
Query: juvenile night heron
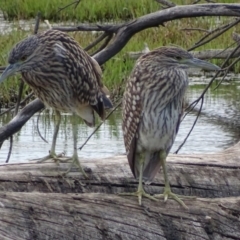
[[63, 76], [152, 109]]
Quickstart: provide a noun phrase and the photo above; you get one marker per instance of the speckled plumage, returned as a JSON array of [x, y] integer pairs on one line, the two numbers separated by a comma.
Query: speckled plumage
[[64, 77], [152, 107], [62, 74]]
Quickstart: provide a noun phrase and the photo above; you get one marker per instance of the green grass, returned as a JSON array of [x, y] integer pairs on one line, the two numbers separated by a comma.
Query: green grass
[[118, 68], [87, 10]]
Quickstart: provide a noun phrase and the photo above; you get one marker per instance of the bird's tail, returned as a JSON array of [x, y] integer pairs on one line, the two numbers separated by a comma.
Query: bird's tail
[[103, 103], [107, 102], [106, 97], [151, 166]]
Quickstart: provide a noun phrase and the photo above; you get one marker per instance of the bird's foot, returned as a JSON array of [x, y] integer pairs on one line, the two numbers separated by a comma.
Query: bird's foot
[[75, 161], [140, 193], [168, 194], [52, 156]]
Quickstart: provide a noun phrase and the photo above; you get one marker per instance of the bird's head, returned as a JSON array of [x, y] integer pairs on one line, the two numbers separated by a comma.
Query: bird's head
[[174, 56], [23, 57]]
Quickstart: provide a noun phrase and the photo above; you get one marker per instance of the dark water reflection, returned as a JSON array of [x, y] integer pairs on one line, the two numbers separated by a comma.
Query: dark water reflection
[[217, 129]]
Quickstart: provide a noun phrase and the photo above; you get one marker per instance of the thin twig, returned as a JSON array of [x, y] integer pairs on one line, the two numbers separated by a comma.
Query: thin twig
[[228, 68], [38, 17], [22, 102], [68, 5], [188, 110], [95, 130], [38, 130], [166, 3], [20, 91], [96, 41], [15, 113], [220, 32], [104, 44], [195, 121], [195, 29], [197, 1], [204, 91], [10, 149], [226, 72], [192, 105]]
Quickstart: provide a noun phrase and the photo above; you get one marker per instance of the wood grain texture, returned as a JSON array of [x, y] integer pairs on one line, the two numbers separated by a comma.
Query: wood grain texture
[[36, 202]]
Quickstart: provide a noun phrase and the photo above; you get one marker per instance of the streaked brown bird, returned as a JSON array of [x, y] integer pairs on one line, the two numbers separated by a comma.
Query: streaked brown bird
[[63, 76], [152, 109]]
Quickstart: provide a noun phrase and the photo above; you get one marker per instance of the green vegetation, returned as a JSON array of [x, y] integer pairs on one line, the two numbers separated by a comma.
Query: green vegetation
[[118, 68], [90, 11]]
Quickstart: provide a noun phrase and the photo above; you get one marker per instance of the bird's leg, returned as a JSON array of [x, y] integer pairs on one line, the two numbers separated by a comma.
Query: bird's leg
[[75, 160], [52, 153], [140, 192], [167, 189]]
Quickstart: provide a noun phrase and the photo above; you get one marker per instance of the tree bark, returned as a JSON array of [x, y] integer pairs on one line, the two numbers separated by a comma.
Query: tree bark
[[20, 119], [37, 202]]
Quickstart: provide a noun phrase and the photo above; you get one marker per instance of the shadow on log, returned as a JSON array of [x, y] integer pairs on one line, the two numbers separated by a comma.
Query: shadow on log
[[38, 203]]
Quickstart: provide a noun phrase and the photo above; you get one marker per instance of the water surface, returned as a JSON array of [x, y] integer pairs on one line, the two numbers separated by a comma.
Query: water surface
[[217, 129]]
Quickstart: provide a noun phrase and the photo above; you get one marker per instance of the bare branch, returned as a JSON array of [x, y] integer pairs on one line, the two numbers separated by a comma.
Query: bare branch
[[38, 130], [195, 121], [95, 130], [20, 91], [96, 41], [224, 29], [195, 29], [236, 38], [197, 1], [22, 102], [68, 5], [166, 3], [38, 17], [10, 149], [20, 119], [123, 33], [104, 44]]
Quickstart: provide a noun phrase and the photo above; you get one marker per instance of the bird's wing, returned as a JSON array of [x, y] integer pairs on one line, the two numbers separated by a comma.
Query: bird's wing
[[84, 76], [138, 88], [131, 115]]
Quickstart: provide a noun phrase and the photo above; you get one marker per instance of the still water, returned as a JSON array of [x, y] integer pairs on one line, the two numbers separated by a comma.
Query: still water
[[217, 128]]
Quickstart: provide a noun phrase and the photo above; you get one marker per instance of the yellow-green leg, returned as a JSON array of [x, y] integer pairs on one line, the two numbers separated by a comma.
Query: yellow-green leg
[[140, 192], [52, 154], [167, 189], [74, 158]]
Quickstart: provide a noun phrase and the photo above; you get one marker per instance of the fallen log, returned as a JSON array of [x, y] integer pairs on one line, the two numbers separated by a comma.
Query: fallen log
[[37, 202]]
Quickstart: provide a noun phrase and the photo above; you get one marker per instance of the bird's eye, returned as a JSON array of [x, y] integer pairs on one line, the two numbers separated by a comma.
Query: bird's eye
[[178, 58], [23, 58]]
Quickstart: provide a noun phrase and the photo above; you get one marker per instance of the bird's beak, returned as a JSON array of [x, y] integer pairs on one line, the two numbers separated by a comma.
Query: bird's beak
[[197, 63], [9, 71]]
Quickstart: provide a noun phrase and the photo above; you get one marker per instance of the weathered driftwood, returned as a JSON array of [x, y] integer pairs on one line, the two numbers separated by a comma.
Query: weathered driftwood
[[36, 202], [20, 119]]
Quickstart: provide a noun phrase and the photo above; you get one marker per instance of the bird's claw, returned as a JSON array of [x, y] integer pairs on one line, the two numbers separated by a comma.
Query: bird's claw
[[139, 194], [75, 162], [168, 194], [52, 156]]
